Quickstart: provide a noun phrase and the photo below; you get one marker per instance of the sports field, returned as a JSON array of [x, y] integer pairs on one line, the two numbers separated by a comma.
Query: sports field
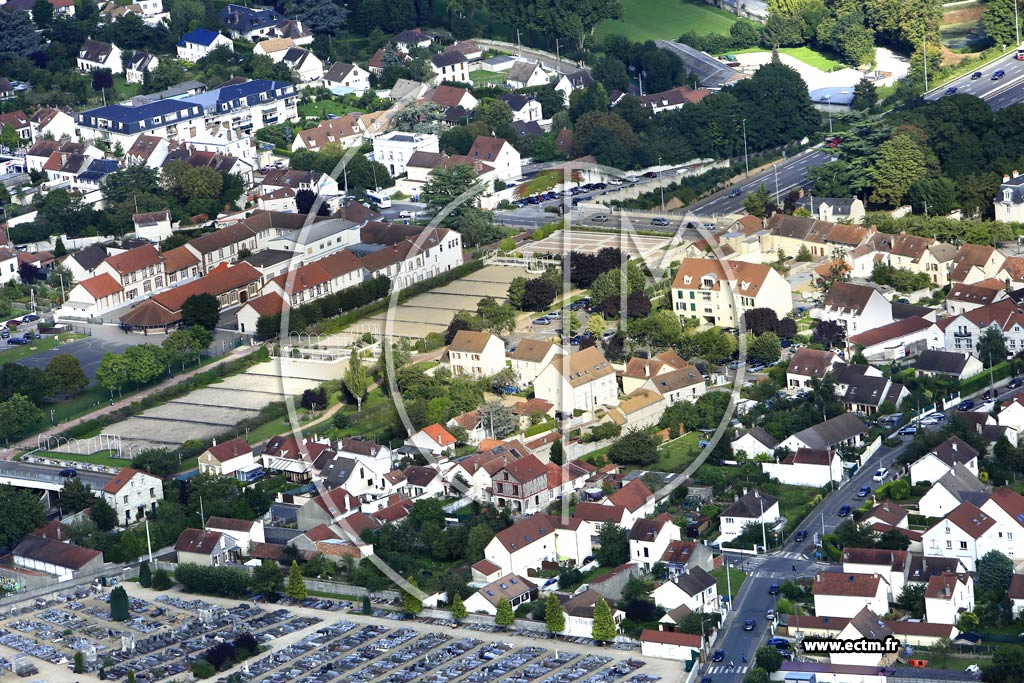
[[804, 54], [666, 19]]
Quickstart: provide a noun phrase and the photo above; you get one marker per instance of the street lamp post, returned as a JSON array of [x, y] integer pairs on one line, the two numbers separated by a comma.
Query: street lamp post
[[764, 534], [828, 102], [746, 162], [775, 169], [661, 182]]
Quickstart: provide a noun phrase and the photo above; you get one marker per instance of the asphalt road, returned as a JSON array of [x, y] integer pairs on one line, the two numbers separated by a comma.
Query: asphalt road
[[88, 351], [51, 474], [998, 94]]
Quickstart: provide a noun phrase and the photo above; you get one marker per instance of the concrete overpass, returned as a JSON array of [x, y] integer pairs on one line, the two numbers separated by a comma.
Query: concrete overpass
[[46, 477]]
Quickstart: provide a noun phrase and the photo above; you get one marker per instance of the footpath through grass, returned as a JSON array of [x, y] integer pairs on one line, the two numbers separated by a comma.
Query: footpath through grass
[[666, 19]]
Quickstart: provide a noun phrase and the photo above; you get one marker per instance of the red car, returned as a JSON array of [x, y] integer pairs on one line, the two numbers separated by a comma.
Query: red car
[[13, 323]]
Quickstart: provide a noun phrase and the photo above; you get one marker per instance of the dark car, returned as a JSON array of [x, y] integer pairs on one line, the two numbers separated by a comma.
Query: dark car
[[965, 405], [779, 643], [864, 492], [801, 536], [998, 74], [69, 472], [987, 395], [4, 333], [718, 656], [748, 625], [30, 318], [950, 90], [1015, 383], [976, 75], [909, 430], [773, 589], [17, 341], [650, 174], [844, 511], [736, 193]]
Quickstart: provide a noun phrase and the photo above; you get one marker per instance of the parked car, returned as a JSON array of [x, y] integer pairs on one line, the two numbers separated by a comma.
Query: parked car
[[987, 396], [4, 333], [1015, 383], [965, 405], [844, 511], [405, 214], [748, 625], [909, 430], [542, 321], [950, 90], [659, 221], [780, 643], [13, 323], [770, 615], [801, 536], [736, 193], [881, 474], [30, 318], [934, 418], [600, 218], [17, 341], [864, 491]]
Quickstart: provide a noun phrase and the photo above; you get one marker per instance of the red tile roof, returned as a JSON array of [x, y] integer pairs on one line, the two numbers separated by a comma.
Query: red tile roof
[[120, 480], [439, 434], [670, 638], [219, 281], [632, 496], [101, 285], [229, 450], [851, 585], [135, 259]]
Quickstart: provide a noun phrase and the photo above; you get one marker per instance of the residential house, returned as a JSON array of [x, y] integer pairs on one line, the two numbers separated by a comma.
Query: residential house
[[524, 75], [49, 122], [581, 381], [450, 66], [533, 540], [672, 99], [149, 150], [815, 467], [938, 462], [180, 265], [524, 108], [514, 588], [639, 370], [226, 458], [963, 297], [682, 555], [92, 296], [841, 594], [95, 55], [916, 254], [753, 507], [695, 589], [898, 340], [326, 508], [954, 364], [497, 153], [887, 513], [1016, 594], [138, 65], [833, 209], [1009, 201], [206, 548], [864, 389], [754, 442], [200, 42], [957, 485], [639, 410], [449, 96], [947, 597], [306, 66], [394, 149], [20, 122], [843, 429], [857, 308], [337, 272], [406, 90], [411, 39], [244, 532], [275, 48], [807, 365], [975, 262], [530, 357], [892, 565], [679, 647], [65, 561], [649, 539], [154, 226], [1011, 414], [521, 485], [139, 271], [1007, 508], [594, 515], [965, 533], [433, 438], [717, 292], [476, 354], [579, 614], [257, 23], [132, 494], [963, 331], [470, 50], [344, 78], [865, 626]]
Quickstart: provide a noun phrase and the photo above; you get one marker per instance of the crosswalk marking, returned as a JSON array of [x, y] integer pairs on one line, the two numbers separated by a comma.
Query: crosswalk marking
[[726, 669]]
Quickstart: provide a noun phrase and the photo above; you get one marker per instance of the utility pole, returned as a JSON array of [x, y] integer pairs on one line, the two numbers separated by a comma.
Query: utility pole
[[775, 169], [764, 534], [925, 47], [662, 183], [728, 579], [558, 57], [828, 101], [519, 45], [1016, 21], [746, 161]]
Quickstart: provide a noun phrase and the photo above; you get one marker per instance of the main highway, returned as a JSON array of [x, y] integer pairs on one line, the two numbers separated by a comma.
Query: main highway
[[997, 94]]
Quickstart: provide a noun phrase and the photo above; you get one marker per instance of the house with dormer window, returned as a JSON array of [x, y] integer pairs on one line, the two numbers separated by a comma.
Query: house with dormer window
[[716, 292], [497, 153], [857, 308]]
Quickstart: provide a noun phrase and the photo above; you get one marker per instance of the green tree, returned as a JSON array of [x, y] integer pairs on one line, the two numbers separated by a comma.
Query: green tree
[[992, 347], [998, 21], [119, 604], [22, 513], [553, 614], [934, 196], [357, 380], [8, 136], [296, 587], [765, 348], [64, 374], [865, 95], [161, 580], [603, 630], [897, 165], [104, 516], [17, 416], [768, 658], [458, 609], [757, 675], [185, 16], [636, 447], [367, 607], [202, 310], [505, 616], [516, 292], [131, 677], [614, 545], [911, 599], [75, 496], [444, 185], [268, 579], [759, 202], [968, 621], [18, 34], [79, 662], [557, 454], [145, 575], [495, 114], [182, 346], [992, 572], [1007, 663]]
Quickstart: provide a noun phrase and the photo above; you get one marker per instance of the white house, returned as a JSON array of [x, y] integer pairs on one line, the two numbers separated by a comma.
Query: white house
[[639, 410], [306, 66], [395, 148], [200, 42], [966, 533], [718, 293], [56, 558], [154, 226], [815, 467], [857, 308], [1016, 594], [635, 498], [514, 588], [51, 122], [530, 357], [91, 296], [594, 515], [935, 464], [947, 596], [1006, 507], [95, 55], [524, 108], [450, 66], [532, 540], [865, 625], [132, 494], [951, 489], [650, 538], [898, 340], [138, 65], [343, 78], [581, 381], [679, 647], [476, 354], [834, 432], [957, 364], [526, 75], [806, 365], [205, 548], [892, 565], [244, 532], [497, 153], [694, 588], [839, 594], [753, 507], [1011, 414], [226, 458], [433, 438], [579, 614], [754, 442]]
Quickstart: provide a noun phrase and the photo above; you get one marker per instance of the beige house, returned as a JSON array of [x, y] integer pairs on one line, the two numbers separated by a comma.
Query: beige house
[[476, 354], [914, 253], [584, 381], [530, 357], [226, 458], [719, 292], [641, 409], [206, 548]]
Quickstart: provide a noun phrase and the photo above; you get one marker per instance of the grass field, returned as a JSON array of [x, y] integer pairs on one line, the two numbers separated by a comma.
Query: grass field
[[805, 55], [736, 577], [666, 19], [322, 108], [483, 77], [675, 456]]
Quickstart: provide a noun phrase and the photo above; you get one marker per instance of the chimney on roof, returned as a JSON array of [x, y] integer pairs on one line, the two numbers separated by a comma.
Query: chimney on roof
[[1016, 173], [1006, 178], [214, 441], [818, 578]]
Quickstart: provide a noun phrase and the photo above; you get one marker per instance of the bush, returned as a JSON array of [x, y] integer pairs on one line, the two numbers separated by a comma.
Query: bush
[[161, 580], [224, 581], [202, 669]]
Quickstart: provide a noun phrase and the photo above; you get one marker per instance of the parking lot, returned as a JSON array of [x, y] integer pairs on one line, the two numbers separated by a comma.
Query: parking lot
[[318, 641]]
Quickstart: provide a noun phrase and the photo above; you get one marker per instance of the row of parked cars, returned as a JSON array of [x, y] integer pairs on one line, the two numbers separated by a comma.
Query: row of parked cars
[[542, 197]]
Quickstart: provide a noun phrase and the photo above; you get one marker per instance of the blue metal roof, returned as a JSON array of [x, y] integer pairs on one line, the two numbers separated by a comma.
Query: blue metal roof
[[199, 36], [838, 96], [119, 113]]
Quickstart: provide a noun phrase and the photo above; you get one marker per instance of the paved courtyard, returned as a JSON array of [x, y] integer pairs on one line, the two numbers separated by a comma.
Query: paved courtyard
[[561, 242]]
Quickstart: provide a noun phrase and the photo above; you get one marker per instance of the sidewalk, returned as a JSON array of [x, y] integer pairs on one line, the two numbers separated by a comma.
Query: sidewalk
[[32, 442]]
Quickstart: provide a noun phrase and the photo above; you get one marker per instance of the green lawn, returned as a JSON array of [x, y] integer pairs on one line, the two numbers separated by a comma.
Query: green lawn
[[805, 54], [736, 577], [483, 77], [14, 353], [795, 504], [322, 108], [676, 455], [666, 19]]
